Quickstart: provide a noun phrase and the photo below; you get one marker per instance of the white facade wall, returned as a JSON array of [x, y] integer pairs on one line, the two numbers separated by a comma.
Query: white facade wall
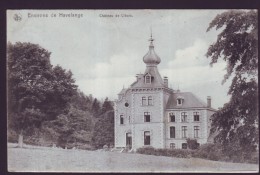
[[156, 124], [159, 125], [178, 140]]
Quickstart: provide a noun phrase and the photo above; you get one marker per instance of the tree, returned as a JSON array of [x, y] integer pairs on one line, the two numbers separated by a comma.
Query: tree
[[36, 91], [237, 44], [107, 106], [95, 109], [104, 130]]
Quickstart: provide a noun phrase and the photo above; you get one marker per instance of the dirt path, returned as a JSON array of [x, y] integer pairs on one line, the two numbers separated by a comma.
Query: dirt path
[[60, 160]]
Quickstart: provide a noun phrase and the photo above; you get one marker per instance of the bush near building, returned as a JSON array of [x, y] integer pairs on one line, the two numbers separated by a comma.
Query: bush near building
[[208, 151]]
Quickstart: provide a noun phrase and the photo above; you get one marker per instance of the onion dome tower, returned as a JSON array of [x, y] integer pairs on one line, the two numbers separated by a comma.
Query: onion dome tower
[[151, 58]]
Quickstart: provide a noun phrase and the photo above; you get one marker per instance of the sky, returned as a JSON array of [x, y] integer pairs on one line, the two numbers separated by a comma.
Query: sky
[[104, 49]]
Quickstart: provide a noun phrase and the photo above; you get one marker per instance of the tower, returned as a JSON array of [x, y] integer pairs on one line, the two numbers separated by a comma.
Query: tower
[[142, 122]]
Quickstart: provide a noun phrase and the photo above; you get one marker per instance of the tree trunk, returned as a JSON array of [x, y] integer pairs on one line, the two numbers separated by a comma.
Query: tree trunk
[[20, 140]]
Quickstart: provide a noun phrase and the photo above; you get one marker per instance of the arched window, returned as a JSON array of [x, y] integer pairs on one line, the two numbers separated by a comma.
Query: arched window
[[150, 101], [143, 101]]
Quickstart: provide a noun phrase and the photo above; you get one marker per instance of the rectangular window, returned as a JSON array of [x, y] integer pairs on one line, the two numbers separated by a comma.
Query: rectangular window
[[143, 101], [147, 138], [184, 146], [184, 117], [121, 119], [196, 131], [172, 145], [129, 119], [172, 132], [196, 116], [184, 131], [179, 101], [172, 117], [147, 117], [150, 101]]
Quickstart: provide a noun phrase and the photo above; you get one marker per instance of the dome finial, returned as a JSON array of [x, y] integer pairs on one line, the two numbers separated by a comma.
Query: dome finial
[[151, 58]]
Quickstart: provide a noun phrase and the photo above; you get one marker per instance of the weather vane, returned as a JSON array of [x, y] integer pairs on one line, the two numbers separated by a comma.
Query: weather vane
[[151, 39]]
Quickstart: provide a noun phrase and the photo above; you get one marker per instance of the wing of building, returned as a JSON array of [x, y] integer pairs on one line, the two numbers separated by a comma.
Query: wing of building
[[149, 113]]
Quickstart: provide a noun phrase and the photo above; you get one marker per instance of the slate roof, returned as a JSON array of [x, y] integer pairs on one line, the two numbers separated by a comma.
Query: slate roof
[[157, 80], [123, 91], [190, 101]]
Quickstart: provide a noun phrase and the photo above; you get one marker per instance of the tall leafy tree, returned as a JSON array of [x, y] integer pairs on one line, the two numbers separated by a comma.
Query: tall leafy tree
[[237, 44], [96, 109], [107, 106], [104, 130], [36, 90]]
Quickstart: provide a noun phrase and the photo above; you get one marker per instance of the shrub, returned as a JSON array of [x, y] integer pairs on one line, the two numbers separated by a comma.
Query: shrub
[[146, 150], [12, 136], [209, 151], [192, 144], [254, 158], [180, 153]]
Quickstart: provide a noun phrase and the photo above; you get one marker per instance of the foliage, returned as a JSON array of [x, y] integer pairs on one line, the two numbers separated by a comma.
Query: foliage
[[71, 128], [192, 144], [180, 153], [107, 106], [96, 109], [206, 151], [210, 151], [81, 101], [36, 91], [104, 130], [45, 105], [237, 122]]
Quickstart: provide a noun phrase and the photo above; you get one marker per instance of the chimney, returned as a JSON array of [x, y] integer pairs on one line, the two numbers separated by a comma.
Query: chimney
[[138, 76], [208, 101], [165, 81]]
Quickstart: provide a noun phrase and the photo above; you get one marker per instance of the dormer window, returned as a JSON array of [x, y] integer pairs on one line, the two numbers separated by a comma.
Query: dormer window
[[180, 100], [148, 79]]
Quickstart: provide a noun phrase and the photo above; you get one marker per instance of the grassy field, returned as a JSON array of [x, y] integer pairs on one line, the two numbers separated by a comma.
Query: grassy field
[[33, 159]]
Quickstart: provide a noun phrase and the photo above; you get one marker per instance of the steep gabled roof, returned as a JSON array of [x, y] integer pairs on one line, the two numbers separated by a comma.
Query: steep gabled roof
[[157, 80], [123, 91], [190, 101]]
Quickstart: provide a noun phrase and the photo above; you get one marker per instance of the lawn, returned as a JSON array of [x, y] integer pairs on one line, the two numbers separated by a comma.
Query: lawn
[[42, 159]]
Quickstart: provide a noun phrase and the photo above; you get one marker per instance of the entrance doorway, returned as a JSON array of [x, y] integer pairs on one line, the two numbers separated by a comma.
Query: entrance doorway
[[129, 140]]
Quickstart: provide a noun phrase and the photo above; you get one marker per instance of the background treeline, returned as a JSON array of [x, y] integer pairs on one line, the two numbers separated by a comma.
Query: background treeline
[[45, 107]]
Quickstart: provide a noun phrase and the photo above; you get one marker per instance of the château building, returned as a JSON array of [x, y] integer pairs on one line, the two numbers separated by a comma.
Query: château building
[[149, 113]]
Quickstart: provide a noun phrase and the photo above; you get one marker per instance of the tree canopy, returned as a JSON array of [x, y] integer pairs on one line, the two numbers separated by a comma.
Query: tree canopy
[[37, 91], [237, 44], [45, 105]]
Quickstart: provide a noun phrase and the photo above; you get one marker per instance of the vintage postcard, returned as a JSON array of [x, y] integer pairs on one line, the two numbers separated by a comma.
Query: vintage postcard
[[132, 90]]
